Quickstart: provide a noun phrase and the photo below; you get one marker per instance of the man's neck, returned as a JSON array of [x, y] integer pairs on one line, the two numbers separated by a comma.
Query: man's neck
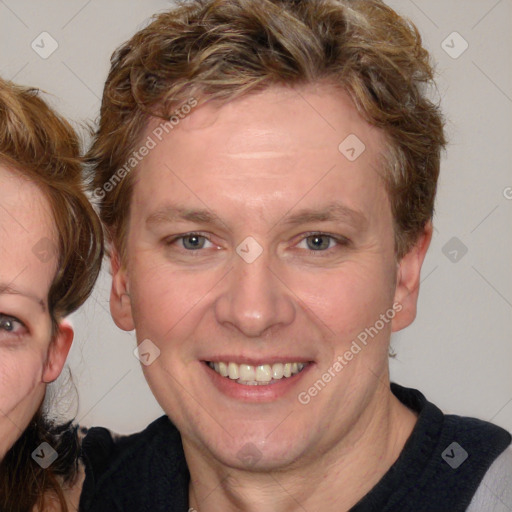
[[333, 482]]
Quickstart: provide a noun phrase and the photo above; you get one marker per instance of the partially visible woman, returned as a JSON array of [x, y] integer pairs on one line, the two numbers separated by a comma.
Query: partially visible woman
[[50, 256]]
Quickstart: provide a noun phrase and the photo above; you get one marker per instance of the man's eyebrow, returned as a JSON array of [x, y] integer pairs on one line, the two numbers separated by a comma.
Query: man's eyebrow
[[172, 213], [8, 289], [336, 212]]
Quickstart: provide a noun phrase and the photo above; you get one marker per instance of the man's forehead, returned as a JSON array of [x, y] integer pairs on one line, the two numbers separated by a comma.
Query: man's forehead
[[264, 150]]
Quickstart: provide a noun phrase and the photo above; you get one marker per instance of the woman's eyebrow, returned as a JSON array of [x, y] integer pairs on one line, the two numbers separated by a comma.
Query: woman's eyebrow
[[8, 289]]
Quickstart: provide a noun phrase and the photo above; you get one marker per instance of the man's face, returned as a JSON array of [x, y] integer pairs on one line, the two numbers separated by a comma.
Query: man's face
[[254, 241]]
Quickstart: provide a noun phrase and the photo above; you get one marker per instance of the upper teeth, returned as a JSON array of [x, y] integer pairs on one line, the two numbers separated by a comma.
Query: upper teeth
[[262, 373]]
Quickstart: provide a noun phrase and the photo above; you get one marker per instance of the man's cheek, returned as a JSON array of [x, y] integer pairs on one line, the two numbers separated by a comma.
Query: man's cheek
[[338, 299], [166, 295], [163, 313]]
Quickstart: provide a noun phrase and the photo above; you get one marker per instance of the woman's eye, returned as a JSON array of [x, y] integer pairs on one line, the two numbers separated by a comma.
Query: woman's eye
[[318, 242], [11, 325]]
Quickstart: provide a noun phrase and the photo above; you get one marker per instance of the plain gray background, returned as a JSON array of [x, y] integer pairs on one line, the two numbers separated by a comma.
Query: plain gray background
[[459, 350]]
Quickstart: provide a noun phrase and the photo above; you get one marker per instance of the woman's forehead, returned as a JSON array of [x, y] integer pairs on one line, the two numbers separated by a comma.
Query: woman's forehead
[[28, 250]]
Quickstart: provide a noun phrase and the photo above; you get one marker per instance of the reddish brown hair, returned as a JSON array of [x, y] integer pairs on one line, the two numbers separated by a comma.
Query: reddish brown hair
[[222, 49], [38, 144]]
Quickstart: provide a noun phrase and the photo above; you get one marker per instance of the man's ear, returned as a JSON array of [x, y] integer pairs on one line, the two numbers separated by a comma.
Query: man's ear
[[408, 280], [120, 303], [58, 351]]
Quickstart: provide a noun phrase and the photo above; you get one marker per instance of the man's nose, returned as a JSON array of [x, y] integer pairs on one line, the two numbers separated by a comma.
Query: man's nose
[[254, 300]]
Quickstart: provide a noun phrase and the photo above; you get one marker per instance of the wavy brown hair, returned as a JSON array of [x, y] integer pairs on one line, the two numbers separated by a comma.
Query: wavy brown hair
[[37, 143], [222, 49]]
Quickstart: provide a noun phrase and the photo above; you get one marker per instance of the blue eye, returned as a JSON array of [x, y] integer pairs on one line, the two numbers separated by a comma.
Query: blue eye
[[193, 242], [190, 241], [319, 242]]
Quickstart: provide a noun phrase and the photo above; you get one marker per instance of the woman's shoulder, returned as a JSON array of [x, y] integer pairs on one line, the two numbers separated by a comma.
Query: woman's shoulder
[[71, 492]]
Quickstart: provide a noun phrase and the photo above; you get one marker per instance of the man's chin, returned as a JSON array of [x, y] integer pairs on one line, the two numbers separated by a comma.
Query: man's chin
[[254, 456]]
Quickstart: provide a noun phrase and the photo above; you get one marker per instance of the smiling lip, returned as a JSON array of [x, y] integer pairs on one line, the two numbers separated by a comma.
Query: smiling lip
[[256, 391]]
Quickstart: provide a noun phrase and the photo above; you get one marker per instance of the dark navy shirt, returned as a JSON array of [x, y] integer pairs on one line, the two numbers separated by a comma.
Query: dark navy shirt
[[439, 469]]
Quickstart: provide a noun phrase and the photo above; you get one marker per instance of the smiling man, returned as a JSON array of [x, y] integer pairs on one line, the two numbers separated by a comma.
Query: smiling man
[[266, 171]]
